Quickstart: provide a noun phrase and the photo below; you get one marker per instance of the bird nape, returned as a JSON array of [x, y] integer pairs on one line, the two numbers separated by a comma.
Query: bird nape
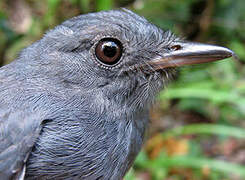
[[75, 104]]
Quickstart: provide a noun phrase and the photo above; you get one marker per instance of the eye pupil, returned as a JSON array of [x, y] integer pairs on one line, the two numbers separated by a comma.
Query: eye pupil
[[109, 51]]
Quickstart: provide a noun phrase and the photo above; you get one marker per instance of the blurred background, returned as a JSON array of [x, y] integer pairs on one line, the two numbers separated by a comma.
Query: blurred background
[[197, 125]]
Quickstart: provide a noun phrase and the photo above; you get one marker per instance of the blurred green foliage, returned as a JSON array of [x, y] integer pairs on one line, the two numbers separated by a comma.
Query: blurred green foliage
[[215, 92]]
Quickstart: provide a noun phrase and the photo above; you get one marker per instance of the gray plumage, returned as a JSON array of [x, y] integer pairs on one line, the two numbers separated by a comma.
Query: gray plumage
[[65, 115]]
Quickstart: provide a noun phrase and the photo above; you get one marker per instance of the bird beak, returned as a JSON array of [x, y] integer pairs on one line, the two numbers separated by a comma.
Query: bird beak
[[188, 53]]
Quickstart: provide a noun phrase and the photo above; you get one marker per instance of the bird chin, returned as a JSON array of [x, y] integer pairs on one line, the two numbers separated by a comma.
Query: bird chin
[[149, 86], [143, 84], [163, 75]]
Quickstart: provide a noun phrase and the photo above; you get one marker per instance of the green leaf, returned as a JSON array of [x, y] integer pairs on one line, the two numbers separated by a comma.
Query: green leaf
[[217, 96], [130, 175], [104, 5], [196, 162], [213, 129]]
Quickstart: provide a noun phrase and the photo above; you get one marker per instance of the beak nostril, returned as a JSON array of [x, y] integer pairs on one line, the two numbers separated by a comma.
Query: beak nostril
[[175, 47]]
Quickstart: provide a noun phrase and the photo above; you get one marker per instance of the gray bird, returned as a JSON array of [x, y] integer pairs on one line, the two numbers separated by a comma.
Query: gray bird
[[75, 104]]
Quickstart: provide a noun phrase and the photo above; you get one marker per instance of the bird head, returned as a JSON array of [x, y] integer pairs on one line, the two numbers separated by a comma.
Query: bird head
[[119, 55]]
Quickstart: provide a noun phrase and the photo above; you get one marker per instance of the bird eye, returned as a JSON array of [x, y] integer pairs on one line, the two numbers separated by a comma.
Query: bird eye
[[109, 51]]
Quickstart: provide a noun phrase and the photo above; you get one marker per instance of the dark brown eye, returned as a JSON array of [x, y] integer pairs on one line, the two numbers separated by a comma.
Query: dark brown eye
[[109, 51]]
